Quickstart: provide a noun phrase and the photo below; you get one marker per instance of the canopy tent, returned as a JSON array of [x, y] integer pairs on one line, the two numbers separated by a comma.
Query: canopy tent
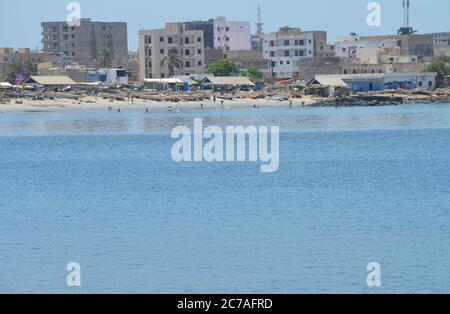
[[164, 81], [5, 85]]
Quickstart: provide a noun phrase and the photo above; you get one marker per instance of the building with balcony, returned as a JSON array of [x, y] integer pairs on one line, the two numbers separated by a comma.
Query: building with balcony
[[154, 46]]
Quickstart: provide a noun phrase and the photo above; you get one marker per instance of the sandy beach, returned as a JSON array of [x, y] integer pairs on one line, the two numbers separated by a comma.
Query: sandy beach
[[91, 102]]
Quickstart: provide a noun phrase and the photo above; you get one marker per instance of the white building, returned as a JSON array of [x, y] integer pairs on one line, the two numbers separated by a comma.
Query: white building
[[351, 46], [231, 36], [154, 45], [285, 48]]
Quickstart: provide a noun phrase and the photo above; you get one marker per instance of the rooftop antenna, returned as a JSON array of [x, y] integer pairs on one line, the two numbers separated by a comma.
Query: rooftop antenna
[[259, 24], [406, 29]]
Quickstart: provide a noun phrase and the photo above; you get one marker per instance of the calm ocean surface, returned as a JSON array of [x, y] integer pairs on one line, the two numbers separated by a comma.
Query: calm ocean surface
[[354, 186]]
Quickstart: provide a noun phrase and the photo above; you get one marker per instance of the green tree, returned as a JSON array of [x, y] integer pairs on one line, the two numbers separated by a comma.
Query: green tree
[[105, 59], [15, 68], [223, 67], [441, 66], [172, 61], [253, 73]]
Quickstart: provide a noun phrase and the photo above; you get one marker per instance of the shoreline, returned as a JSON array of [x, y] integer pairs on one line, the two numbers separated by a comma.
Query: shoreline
[[93, 103], [98, 102]]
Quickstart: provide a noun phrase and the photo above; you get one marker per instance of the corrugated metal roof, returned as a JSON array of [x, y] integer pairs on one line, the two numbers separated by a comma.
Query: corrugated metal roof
[[229, 80], [331, 81], [53, 80]]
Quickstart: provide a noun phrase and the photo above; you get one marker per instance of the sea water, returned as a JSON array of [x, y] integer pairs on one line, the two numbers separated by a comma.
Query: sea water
[[99, 188]]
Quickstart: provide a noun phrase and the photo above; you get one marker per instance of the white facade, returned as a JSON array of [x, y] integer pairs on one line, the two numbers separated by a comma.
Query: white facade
[[154, 45], [285, 48], [231, 36], [351, 47]]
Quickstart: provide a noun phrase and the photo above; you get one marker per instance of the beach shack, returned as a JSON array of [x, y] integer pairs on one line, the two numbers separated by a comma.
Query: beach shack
[[51, 82], [326, 86], [447, 81], [228, 83]]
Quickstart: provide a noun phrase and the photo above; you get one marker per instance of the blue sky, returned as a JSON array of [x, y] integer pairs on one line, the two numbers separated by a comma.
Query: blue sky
[[20, 19]]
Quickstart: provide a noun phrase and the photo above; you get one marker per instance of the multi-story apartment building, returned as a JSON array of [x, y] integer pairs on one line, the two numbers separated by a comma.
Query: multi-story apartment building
[[285, 48], [208, 31], [420, 45], [231, 36], [86, 43], [154, 45], [441, 44]]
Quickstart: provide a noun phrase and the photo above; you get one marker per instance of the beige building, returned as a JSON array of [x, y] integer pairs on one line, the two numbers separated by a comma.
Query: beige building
[[245, 58], [154, 45], [441, 44], [9, 56]]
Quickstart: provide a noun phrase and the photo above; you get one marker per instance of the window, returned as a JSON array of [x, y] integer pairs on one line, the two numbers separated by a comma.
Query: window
[[272, 43], [161, 39], [287, 53], [161, 51], [187, 64], [227, 29], [199, 51], [149, 39], [286, 42], [288, 62], [186, 40], [272, 53], [281, 62], [187, 52], [199, 39], [199, 63], [274, 64], [170, 40], [149, 52]]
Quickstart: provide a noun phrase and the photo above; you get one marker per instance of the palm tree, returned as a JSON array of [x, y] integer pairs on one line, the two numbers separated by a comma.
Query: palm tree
[[105, 59], [172, 61]]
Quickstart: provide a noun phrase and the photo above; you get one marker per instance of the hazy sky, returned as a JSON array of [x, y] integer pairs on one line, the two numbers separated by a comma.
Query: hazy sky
[[20, 19]]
